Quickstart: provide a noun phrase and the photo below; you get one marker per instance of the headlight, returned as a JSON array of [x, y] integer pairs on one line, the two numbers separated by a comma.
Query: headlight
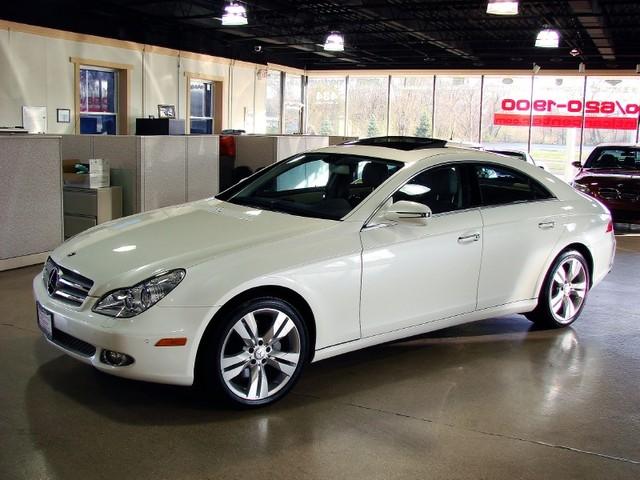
[[129, 302], [581, 188]]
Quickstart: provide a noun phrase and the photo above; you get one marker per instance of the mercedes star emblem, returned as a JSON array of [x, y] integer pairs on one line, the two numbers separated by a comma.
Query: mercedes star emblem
[[52, 281]]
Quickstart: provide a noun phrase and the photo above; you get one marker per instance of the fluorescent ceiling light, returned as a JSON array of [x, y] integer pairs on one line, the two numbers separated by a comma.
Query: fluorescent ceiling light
[[548, 38], [502, 7], [234, 14], [334, 42]]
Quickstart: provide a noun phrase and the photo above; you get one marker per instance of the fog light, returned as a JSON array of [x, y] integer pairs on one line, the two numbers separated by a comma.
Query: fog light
[[115, 359]]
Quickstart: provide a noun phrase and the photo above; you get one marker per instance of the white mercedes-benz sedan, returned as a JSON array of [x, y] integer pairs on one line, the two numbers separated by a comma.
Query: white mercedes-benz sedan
[[323, 253]]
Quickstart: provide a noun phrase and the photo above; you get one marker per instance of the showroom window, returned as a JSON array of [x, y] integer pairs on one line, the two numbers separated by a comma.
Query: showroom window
[[326, 105], [505, 124], [440, 189], [98, 101], [457, 108], [611, 111], [557, 121], [501, 185], [274, 101], [292, 108], [201, 106], [411, 106], [367, 106]]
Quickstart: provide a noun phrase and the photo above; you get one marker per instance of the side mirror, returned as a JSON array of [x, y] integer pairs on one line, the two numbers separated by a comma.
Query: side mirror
[[577, 164], [404, 211]]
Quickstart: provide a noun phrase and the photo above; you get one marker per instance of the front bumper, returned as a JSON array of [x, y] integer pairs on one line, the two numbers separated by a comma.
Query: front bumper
[[135, 336]]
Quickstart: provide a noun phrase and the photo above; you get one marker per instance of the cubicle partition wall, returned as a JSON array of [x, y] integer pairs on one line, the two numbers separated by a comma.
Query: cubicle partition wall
[[153, 171], [30, 199], [257, 151]]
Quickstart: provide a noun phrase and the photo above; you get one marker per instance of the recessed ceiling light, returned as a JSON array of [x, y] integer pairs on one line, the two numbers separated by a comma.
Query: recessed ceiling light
[[234, 14], [502, 7], [334, 42], [548, 38]]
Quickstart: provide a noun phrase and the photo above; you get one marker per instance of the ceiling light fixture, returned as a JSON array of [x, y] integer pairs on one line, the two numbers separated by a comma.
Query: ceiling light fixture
[[548, 38], [234, 14], [575, 52], [502, 7], [334, 42]]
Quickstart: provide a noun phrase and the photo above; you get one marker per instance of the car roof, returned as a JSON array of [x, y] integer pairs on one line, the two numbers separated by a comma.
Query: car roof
[[617, 145], [401, 149]]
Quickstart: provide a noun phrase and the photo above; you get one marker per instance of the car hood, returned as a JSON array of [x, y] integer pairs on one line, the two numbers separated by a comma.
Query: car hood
[[614, 175], [129, 250]]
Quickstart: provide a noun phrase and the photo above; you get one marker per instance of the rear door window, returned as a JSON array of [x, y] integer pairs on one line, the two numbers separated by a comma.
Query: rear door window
[[500, 185]]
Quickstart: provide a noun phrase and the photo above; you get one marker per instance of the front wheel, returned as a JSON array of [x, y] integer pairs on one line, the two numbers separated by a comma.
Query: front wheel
[[564, 291], [257, 353]]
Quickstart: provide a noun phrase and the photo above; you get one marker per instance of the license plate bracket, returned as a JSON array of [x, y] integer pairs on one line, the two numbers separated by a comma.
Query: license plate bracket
[[45, 320]]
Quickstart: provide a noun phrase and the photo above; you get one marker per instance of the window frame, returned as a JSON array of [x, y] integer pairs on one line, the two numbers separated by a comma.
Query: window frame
[[123, 88], [116, 95]]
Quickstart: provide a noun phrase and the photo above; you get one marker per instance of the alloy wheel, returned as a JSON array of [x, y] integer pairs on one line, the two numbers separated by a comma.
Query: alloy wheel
[[260, 354], [567, 290]]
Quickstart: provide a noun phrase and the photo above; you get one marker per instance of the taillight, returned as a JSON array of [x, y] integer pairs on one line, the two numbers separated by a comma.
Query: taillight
[[610, 226]]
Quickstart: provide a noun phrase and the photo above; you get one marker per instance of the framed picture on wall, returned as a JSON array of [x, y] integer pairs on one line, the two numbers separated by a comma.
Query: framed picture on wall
[[166, 111], [63, 115]]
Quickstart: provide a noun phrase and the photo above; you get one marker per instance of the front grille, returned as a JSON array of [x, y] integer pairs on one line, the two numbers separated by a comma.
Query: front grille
[[72, 343], [65, 285]]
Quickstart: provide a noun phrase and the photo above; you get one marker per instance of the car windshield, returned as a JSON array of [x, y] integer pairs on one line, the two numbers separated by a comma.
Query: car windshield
[[320, 185], [614, 157]]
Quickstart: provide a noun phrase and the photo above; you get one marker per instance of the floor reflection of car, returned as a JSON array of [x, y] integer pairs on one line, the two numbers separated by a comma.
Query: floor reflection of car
[[323, 253], [520, 155], [611, 174]]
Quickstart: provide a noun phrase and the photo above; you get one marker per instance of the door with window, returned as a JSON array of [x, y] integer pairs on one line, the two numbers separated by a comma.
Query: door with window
[[98, 101], [414, 274], [522, 224]]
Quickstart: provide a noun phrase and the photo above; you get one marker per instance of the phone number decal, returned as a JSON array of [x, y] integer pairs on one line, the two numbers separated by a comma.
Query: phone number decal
[[571, 106]]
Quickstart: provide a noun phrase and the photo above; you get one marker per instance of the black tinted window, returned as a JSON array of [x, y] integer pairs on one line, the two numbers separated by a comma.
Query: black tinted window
[[439, 188], [500, 185]]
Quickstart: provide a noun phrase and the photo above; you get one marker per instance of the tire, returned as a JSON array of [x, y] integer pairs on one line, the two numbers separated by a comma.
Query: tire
[[254, 356], [564, 291]]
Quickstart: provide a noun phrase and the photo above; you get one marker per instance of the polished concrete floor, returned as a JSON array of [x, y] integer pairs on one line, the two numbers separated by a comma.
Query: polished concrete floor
[[495, 399]]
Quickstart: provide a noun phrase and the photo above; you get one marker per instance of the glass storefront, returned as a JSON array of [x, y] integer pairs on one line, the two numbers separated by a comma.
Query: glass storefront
[[326, 105], [367, 106], [411, 106], [556, 118], [457, 108]]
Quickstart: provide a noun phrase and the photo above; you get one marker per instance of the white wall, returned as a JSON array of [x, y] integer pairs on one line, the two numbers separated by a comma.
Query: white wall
[[35, 70]]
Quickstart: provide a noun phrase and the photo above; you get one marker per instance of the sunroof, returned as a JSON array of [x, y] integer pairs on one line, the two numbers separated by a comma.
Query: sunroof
[[400, 143]]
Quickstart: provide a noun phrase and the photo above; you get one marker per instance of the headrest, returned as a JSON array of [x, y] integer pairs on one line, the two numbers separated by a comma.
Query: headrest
[[374, 174]]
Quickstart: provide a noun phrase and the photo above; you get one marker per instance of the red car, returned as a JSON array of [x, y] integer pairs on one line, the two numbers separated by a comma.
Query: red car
[[612, 175]]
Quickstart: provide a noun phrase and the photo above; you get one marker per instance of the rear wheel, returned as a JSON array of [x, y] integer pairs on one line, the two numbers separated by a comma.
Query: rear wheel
[[564, 291], [256, 354]]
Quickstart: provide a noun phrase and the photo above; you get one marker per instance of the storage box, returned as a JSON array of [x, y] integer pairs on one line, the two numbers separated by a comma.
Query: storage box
[[99, 165], [99, 180]]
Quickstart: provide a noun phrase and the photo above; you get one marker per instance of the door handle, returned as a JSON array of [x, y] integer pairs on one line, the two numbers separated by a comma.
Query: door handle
[[474, 237], [546, 225]]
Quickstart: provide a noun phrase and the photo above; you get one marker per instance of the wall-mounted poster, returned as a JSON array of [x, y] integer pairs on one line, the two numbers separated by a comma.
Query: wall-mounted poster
[[63, 115], [166, 111], [34, 119]]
